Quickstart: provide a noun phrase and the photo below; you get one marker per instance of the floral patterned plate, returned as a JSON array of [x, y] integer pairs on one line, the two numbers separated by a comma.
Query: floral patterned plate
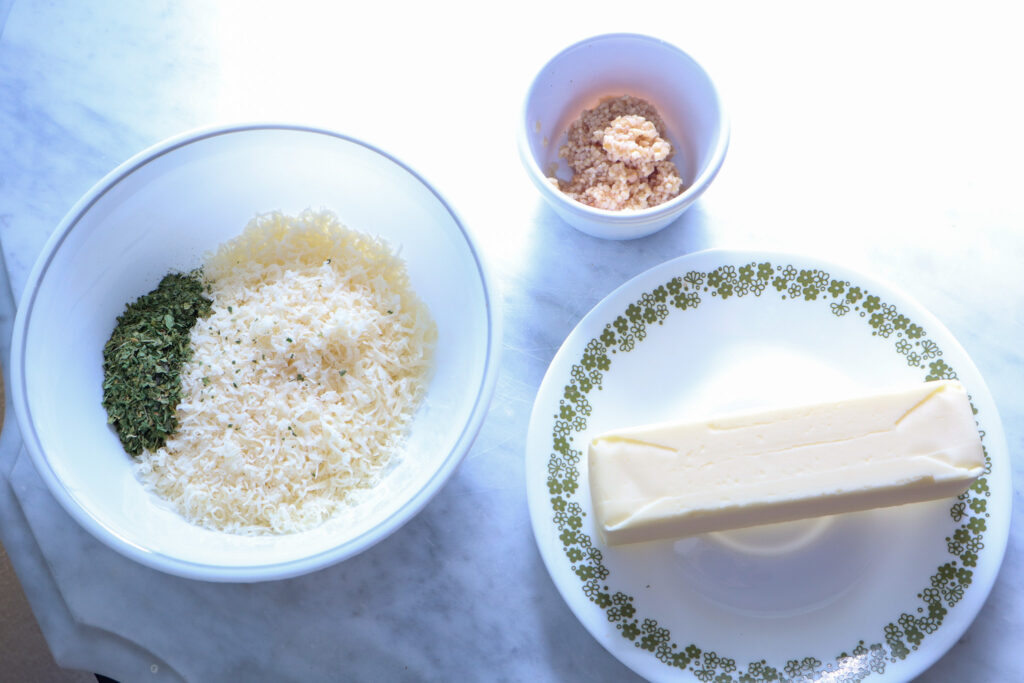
[[878, 595]]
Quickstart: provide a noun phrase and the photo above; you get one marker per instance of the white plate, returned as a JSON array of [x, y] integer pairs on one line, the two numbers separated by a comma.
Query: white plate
[[878, 595]]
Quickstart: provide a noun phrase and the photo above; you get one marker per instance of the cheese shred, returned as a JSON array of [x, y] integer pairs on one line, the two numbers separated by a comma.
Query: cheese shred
[[303, 380]]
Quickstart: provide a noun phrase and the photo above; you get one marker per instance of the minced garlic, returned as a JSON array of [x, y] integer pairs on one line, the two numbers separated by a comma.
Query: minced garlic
[[619, 157]]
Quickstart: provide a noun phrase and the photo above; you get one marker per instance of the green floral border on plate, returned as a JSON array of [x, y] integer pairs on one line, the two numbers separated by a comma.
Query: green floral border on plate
[[904, 634]]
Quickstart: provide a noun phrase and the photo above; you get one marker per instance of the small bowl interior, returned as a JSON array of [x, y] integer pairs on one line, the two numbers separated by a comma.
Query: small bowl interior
[[165, 214], [584, 74]]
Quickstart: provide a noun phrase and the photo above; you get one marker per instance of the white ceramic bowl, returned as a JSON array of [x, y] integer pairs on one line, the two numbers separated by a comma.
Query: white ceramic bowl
[[583, 74], [164, 209]]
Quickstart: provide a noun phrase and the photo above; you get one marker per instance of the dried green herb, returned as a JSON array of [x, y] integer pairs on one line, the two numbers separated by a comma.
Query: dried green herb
[[143, 358]]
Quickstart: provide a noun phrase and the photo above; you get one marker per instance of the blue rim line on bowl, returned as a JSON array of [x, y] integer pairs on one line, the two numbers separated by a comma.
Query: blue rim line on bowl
[[284, 570]]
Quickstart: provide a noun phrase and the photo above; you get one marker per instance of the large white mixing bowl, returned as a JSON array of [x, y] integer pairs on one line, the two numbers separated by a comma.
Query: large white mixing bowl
[[162, 211]]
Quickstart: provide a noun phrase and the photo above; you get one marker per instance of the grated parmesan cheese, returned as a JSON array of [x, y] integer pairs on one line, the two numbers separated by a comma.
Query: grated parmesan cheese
[[303, 380]]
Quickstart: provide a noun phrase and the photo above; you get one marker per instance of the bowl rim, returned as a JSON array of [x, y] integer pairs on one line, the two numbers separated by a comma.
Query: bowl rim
[[632, 217], [252, 572]]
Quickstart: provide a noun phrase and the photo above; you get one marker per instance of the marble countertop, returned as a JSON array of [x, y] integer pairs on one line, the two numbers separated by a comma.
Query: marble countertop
[[885, 137]]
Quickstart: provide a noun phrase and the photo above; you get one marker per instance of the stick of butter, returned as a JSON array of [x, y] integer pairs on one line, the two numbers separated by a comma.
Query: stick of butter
[[671, 480]]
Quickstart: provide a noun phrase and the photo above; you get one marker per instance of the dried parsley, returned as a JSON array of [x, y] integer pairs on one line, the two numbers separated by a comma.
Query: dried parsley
[[142, 361]]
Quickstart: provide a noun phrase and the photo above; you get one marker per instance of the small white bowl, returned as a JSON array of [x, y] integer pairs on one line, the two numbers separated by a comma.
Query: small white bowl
[[582, 75], [161, 211]]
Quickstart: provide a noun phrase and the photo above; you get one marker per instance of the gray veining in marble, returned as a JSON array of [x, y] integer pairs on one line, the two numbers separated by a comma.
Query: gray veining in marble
[[881, 137]]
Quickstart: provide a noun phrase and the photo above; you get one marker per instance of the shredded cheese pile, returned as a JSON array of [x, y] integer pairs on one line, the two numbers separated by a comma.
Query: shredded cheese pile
[[303, 379]]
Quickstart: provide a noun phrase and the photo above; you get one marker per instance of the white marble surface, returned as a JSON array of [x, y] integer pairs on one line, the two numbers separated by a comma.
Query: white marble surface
[[884, 137]]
